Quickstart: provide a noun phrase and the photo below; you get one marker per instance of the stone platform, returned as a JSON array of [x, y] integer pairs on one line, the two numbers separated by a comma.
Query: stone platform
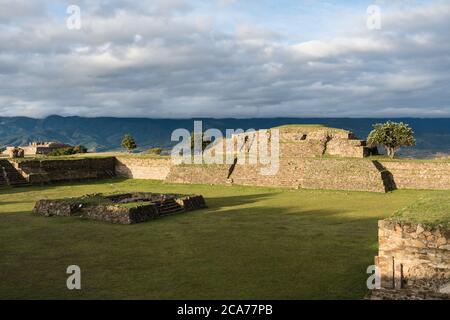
[[129, 208], [413, 261]]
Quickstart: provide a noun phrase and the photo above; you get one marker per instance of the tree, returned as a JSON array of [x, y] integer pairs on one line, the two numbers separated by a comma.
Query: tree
[[392, 135], [128, 142]]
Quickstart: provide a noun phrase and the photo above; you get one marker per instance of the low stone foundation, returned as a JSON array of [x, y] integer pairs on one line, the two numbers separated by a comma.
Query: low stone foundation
[[413, 261], [48, 171], [127, 208]]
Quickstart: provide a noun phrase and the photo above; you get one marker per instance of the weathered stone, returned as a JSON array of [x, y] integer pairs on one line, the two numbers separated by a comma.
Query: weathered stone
[[110, 208], [420, 268], [445, 288], [419, 229], [47, 171], [441, 241], [417, 244]]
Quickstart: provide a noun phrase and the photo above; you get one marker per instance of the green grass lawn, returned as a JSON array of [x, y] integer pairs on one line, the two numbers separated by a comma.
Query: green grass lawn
[[433, 210], [251, 243]]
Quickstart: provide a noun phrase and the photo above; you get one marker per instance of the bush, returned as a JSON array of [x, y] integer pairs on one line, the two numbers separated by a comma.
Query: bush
[[155, 151], [80, 149], [68, 151]]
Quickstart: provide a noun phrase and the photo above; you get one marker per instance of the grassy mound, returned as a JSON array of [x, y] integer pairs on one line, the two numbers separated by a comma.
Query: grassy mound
[[431, 210]]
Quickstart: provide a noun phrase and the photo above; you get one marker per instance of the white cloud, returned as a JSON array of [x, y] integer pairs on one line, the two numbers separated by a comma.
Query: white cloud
[[161, 58]]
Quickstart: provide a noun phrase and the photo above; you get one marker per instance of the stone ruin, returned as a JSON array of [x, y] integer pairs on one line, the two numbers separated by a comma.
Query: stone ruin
[[413, 261], [304, 141], [36, 148], [129, 208], [13, 152]]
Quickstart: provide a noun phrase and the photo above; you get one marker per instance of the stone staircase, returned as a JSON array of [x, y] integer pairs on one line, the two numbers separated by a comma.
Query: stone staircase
[[3, 181], [169, 206], [9, 176]]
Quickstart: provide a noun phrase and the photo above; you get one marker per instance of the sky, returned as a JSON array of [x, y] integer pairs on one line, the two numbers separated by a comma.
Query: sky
[[225, 58]]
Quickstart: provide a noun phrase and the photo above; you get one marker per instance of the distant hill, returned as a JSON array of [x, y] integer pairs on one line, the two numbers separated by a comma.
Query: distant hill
[[105, 134]]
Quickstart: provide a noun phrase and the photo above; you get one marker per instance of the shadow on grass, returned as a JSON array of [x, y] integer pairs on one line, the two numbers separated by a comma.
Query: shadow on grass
[[260, 252], [44, 187]]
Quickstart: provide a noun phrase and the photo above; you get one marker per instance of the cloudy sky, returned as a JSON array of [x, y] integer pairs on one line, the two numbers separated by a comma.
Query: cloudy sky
[[225, 58]]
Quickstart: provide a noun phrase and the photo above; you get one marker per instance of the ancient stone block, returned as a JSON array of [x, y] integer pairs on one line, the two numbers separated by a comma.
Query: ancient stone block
[[122, 209], [417, 268]]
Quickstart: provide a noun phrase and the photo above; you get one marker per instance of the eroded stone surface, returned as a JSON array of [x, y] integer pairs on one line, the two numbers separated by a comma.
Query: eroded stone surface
[[127, 208], [413, 261]]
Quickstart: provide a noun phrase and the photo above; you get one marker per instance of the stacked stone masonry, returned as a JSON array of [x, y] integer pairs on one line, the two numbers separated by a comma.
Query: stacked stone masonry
[[413, 261], [147, 206], [419, 175], [143, 168], [304, 141], [47, 171], [295, 172]]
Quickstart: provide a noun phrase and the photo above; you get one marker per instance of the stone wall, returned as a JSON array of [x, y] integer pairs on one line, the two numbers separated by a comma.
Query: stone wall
[[294, 172], [113, 209], [413, 261], [47, 171], [198, 174], [308, 173], [311, 173], [306, 141], [143, 168], [419, 175]]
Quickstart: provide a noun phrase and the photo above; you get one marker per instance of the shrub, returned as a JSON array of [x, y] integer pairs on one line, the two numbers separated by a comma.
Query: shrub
[[68, 151], [80, 149], [155, 151]]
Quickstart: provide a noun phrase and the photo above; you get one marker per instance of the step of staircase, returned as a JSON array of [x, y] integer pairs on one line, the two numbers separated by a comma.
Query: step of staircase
[[169, 207], [10, 176]]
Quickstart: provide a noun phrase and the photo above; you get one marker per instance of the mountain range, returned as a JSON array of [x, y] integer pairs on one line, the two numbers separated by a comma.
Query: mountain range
[[105, 133]]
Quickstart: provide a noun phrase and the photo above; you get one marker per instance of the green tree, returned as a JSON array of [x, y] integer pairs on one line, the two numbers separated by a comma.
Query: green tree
[[128, 142], [391, 135]]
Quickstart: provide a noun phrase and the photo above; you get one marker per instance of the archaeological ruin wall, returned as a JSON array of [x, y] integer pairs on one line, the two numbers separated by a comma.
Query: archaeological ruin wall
[[432, 175], [413, 261], [299, 172], [143, 168], [358, 174], [306, 141], [48, 171], [129, 208]]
